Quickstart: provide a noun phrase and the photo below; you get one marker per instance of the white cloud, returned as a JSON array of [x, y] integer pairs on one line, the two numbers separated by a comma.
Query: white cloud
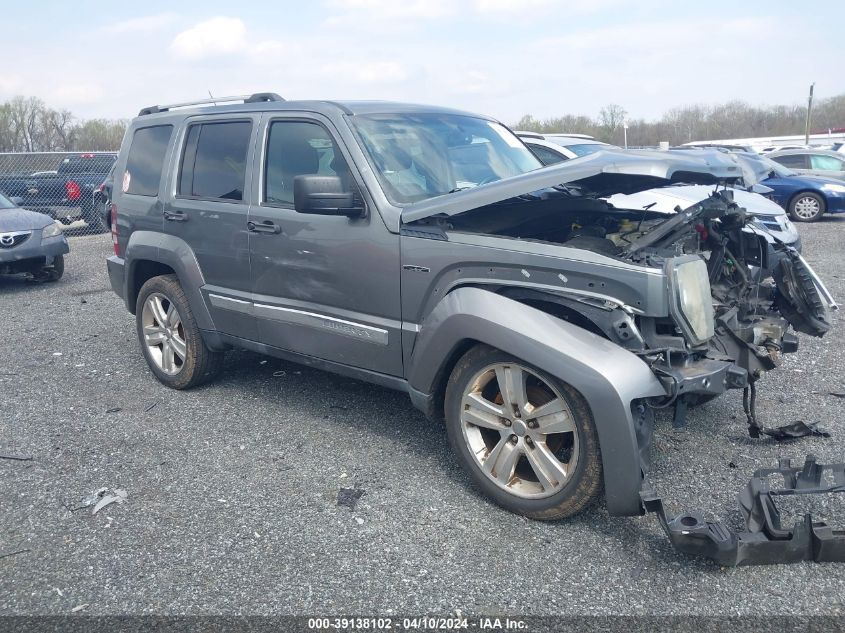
[[508, 6], [393, 9], [375, 72], [217, 36], [142, 24], [75, 94]]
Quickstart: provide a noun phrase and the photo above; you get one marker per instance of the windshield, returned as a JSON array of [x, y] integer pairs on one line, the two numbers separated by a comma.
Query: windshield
[[420, 156], [5, 203]]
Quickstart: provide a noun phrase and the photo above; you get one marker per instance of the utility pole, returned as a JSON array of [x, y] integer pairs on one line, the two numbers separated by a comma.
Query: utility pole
[[625, 131], [809, 114]]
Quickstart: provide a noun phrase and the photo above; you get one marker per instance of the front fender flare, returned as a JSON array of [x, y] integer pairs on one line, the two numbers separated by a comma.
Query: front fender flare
[[608, 376]]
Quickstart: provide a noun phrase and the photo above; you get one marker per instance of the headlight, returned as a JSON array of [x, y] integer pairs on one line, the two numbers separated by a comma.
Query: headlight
[[51, 230], [834, 188], [690, 302]]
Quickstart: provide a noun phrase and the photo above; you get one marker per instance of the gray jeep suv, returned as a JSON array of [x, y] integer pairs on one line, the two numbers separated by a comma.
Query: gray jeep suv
[[428, 250]]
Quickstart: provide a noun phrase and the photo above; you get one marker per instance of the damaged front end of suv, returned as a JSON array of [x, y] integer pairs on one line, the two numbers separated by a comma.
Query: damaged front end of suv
[[713, 250], [707, 299]]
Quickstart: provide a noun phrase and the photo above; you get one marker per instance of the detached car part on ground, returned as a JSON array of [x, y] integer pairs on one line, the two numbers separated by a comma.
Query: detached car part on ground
[[30, 243], [544, 324]]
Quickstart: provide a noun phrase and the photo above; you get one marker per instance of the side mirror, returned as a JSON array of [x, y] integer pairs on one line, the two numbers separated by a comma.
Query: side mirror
[[16, 200], [324, 195]]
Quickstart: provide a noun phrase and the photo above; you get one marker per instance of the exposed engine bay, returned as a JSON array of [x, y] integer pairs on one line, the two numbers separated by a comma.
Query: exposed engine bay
[[759, 287]]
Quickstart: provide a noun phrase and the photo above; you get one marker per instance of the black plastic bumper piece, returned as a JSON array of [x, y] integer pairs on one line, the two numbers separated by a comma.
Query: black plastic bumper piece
[[765, 541]]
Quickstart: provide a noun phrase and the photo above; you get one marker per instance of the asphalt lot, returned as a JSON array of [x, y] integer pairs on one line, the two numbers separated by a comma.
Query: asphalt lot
[[232, 488]]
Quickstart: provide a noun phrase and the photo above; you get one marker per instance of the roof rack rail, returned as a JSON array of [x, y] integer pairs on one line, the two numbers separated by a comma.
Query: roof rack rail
[[258, 97]]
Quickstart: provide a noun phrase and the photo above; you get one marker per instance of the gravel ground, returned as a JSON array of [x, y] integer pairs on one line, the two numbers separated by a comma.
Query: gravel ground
[[232, 488]]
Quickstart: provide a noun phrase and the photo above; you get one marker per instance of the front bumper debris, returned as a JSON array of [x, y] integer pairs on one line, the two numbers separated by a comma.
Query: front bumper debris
[[765, 541]]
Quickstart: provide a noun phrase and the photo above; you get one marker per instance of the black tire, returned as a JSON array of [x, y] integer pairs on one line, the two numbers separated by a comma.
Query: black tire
[[94, 219], [55, 272], [804, 199], [583, 486], [200, 364]]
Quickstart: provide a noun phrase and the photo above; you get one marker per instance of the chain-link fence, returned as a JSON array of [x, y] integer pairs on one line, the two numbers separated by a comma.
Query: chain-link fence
[[74, 188]]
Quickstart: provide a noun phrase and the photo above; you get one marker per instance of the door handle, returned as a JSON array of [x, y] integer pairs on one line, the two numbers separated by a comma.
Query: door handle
[[175, 217], [264, 227]]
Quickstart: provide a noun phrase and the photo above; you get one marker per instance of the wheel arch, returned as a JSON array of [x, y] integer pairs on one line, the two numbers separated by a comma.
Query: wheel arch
[[149, 254], [795, 195], [609, 377]]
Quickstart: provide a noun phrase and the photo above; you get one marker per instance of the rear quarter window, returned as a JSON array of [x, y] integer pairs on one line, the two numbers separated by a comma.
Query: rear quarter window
[[146, 159]]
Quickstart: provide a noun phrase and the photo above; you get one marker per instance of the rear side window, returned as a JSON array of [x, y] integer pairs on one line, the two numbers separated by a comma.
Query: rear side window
[[795, 161], [214, 162], [146, 159]]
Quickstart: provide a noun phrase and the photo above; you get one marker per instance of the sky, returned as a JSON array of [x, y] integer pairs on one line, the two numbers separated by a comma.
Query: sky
[[504, 58]]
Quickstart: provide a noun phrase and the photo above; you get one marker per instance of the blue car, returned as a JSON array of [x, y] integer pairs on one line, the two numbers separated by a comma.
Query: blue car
[[805, 198]]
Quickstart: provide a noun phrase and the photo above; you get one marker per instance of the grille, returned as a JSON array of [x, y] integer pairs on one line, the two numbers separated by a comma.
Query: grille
[[17, 238]]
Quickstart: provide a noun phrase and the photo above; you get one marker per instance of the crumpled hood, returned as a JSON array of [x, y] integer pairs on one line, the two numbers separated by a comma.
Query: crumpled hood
[[599, 174], [18, 219]]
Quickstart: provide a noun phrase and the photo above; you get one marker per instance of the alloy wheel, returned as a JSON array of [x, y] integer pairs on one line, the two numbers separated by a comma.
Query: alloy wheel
[[164, 334], [520, 430]]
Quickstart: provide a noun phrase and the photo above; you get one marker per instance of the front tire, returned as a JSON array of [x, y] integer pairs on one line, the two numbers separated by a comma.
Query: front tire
[[807, 207], [169, 336], [55, 272], [527, 440]]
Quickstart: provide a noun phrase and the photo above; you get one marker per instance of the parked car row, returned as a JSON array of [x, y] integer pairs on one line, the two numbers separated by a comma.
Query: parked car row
[[68, 194], [805, 194]]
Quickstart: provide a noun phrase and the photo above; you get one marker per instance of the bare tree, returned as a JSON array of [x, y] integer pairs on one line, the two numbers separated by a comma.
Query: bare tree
[[611, 119], [695, 122], [99, 134]]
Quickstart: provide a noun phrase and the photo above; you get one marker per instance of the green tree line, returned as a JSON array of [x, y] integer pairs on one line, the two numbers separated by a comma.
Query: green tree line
[[27, 124], [734, 119]]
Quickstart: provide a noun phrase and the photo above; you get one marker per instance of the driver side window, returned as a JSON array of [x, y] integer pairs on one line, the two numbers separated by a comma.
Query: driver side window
[[298, 148]]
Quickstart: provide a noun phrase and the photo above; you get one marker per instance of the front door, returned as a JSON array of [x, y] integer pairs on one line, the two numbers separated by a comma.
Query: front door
[[324, 286]]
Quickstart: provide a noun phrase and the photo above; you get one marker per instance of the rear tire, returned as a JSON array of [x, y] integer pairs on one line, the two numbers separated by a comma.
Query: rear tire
[[807, 207], [538, 432], [170, 338]]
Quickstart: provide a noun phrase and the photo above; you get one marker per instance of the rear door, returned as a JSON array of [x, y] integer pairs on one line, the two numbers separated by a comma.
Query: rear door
[[324, 286], [207, 209]]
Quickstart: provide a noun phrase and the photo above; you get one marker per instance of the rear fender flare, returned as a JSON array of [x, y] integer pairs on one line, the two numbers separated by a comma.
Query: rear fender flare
[[176, 254], [608, 376]]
